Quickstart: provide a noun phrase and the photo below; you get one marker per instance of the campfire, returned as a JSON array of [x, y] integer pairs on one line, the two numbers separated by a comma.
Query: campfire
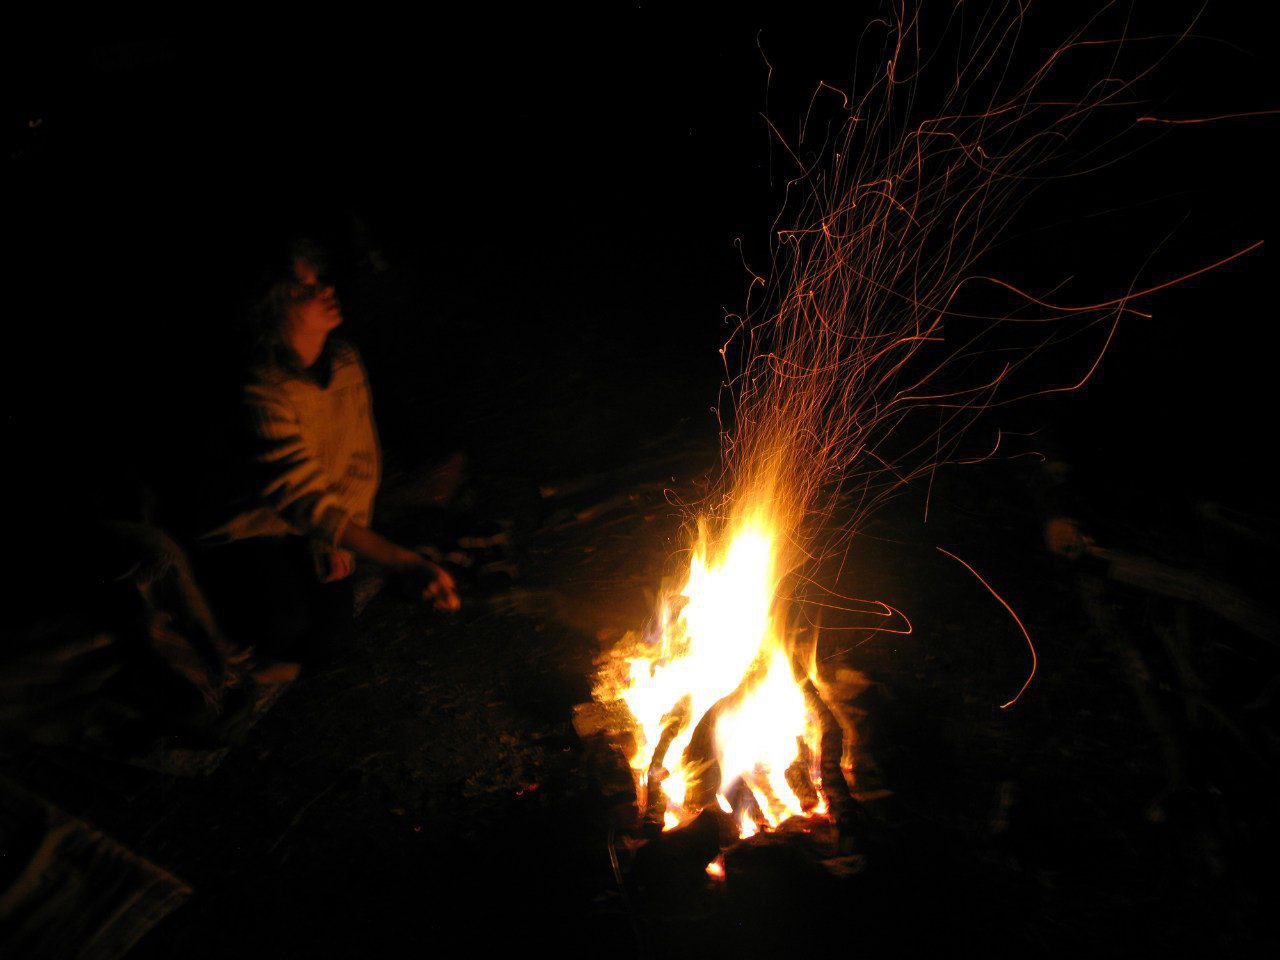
[[725, 710], [873, 353]]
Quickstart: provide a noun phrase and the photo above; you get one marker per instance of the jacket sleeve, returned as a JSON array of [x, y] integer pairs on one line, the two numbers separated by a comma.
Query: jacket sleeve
[[288, 476]]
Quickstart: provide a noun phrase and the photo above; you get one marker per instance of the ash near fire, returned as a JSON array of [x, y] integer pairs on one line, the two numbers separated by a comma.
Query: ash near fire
[[755, 482]]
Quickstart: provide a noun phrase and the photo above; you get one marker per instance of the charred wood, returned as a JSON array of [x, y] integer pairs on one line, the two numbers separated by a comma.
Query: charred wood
[[700, 758], [799, 779], [845, 810], [655, 807], [700, 754], [678, 858], [743, 802], [1224, 599]]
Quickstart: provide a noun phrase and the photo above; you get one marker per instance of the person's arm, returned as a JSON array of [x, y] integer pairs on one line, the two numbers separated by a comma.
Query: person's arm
[[294, 484], [419, 573], [289, 476]]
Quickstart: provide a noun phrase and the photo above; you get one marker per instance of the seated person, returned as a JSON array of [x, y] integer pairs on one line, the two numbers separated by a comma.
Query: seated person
[[278, 568], [120, 650]]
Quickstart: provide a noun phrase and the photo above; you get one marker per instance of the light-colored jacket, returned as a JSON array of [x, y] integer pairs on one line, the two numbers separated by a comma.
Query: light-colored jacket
[[315, 462]]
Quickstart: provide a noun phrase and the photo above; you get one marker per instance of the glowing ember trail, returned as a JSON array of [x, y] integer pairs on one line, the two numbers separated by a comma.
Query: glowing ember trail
[[877, 342], [1035, 660]]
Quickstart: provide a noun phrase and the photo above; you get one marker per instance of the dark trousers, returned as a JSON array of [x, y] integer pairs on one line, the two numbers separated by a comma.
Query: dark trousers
[[265, 594]]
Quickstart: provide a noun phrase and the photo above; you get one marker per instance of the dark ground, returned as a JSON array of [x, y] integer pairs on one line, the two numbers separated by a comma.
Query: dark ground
[[427, 792]]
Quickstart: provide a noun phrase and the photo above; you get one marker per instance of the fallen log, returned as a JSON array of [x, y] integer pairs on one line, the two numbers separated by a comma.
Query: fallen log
[[1160, 578]]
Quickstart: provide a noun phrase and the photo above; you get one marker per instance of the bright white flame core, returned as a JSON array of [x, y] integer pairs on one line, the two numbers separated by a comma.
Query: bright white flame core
[[761, 740], [718, 628]]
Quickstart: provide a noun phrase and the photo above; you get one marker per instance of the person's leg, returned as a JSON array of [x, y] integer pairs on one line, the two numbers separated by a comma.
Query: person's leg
[[170, 583]]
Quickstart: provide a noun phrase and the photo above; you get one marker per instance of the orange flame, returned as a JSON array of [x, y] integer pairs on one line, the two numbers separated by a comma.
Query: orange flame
[[721, 649]]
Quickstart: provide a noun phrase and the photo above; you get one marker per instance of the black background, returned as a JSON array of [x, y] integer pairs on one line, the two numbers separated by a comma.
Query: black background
[[616, 151]]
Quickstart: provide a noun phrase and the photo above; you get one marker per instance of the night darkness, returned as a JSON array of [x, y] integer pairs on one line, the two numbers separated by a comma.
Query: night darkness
[[537, 223]]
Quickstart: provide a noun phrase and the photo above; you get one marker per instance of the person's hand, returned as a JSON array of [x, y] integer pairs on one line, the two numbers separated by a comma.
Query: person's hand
[[441, 592], [428, 582]]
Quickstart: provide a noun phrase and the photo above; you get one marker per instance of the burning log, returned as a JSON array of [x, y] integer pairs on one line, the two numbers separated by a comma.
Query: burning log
[[798, 778], [742, 800], [655, 799], [777, 808], [844, 808], [701, 755]]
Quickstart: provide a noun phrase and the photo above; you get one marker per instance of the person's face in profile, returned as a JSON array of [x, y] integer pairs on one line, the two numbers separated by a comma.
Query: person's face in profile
[[313, 306]]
